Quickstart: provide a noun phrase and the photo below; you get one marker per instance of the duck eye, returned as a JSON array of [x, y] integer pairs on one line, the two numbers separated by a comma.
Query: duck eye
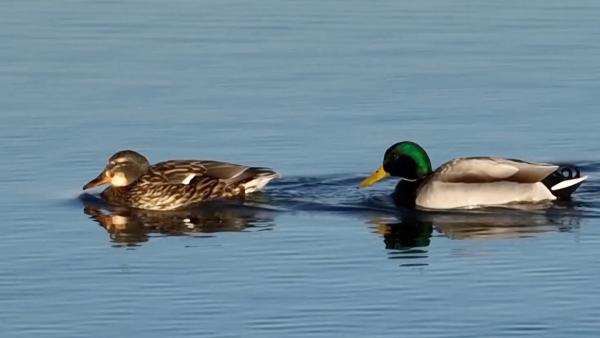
[[391, 156]]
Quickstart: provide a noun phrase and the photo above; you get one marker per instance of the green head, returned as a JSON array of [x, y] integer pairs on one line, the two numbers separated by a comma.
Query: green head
[[408, 160], [404, 159]]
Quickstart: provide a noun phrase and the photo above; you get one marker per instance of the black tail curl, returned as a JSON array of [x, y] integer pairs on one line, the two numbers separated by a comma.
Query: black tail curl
[[564, 173]]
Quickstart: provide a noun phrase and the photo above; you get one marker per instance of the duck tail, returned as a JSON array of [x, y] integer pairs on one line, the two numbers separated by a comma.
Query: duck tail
[[564, 181], [257, 178]]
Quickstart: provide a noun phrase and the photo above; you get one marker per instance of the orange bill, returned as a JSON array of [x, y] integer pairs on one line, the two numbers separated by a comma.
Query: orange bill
[[100, 180]]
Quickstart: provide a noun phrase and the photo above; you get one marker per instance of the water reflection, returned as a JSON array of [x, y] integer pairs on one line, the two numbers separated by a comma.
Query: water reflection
[[411, 231], [131, 227]]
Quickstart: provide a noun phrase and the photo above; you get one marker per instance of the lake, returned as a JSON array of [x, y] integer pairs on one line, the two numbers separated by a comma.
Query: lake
[[317, 90]]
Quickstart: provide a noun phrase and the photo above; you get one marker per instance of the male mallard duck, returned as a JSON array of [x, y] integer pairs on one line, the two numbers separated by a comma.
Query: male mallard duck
[[471, 181], [175, 184]]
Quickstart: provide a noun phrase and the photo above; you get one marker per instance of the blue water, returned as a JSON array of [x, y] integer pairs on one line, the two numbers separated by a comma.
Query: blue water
[[316, 90]]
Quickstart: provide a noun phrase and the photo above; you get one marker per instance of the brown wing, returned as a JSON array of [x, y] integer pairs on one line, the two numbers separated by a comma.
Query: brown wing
[[179, 171], [174, 172], [224, 170], [174, 184], [252, 178]]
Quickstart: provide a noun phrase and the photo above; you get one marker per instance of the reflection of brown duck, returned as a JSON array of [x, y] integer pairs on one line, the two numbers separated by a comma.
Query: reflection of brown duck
[[132, 226], [414, 229]]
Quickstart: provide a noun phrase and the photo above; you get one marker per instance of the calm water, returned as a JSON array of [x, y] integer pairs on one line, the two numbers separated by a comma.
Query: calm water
[[317, 90]]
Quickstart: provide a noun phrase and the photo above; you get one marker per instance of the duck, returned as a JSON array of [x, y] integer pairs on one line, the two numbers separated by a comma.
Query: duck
[[471, 182], [175, 184]]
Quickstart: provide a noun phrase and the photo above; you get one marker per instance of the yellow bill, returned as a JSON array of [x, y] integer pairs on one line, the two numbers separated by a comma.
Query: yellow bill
[[378, 175]]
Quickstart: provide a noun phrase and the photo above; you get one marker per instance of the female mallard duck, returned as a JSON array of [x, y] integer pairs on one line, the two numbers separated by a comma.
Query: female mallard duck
[[471, 181], [175, 184]]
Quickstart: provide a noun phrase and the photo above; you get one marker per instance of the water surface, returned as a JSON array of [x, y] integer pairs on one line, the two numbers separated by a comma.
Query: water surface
[[317, 90]]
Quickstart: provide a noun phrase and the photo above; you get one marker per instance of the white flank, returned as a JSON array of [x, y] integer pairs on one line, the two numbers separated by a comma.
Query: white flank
[[442, 195], [568, 183], [188, 179]]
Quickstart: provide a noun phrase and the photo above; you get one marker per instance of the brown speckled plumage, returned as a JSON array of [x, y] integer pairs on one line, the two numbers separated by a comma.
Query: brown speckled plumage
[[178, 183]]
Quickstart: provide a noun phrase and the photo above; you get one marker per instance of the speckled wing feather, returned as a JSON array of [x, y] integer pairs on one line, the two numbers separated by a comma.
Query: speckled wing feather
[[179, 171], [174, 172], [175, 184]]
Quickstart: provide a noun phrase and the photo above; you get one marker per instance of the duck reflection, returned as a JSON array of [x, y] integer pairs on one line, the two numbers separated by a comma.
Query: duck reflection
[[414, 228], [410, 232], [131, 227]]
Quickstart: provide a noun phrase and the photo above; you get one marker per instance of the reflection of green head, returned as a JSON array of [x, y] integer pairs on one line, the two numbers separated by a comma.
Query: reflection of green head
[[410, 232], [408, 160]]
